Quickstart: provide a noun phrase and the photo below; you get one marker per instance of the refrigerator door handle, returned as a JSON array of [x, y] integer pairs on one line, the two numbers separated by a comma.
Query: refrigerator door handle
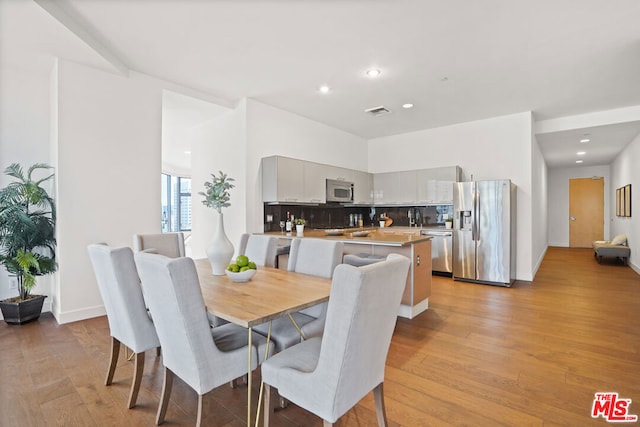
[[475, 231]]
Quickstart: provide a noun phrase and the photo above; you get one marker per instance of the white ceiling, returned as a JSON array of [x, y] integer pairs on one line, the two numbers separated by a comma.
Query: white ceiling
[[456, 61], [560, 149]]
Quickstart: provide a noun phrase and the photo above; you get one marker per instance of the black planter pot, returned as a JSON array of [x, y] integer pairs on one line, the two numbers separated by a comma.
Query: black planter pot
[[17, 313]]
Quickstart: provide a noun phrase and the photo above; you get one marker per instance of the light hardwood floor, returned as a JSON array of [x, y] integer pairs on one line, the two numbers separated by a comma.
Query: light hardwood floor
[[531, 355]]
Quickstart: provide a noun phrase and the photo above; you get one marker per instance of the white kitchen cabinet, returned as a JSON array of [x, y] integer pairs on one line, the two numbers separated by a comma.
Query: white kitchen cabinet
[[315, 176], [383, 187], [406, 187], [339, 174], [444, 192], [362, 188], [394, 188], [286, 180], [282, 180], [435, 185]]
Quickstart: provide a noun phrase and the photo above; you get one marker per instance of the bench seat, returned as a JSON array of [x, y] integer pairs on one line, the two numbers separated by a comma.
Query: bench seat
[[611, 248]]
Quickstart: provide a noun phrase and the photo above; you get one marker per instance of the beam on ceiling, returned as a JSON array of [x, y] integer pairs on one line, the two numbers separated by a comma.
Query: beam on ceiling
[[54, 9], [599, 118]]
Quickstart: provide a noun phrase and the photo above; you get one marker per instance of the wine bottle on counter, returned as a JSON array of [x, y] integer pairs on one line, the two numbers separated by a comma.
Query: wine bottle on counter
[[289, 223]]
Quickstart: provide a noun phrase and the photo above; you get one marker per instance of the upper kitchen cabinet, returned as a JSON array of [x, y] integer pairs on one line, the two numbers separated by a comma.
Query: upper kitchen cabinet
[[435, 186], [362, 188], [286, 180], [394, 188], [339, 174], [282, 180]]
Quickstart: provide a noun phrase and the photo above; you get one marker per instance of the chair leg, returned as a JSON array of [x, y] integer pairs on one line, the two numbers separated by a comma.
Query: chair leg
[[268, 407], [199, 419], [326, 423], [115, 351], [138, 370], [282, 402], [164, 399], [378, 397]]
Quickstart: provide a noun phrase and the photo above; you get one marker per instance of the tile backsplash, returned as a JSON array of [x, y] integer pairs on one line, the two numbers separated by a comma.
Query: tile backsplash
[[338, 216]]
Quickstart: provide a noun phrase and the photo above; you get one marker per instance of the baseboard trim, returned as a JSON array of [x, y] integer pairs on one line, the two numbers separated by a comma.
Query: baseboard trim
[[634, 267], [82, 314], [409, 312], [539, 263]]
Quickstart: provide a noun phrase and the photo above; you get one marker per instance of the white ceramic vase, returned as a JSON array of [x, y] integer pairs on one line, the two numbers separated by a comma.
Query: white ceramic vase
[[300, 228], [220, 251]]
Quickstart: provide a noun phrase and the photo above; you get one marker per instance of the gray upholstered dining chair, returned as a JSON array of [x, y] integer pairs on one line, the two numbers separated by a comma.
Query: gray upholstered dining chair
[[315, 257], [170, 245], [203, 357], [328, 376], [167, 244], [260, 248], [129, 323]]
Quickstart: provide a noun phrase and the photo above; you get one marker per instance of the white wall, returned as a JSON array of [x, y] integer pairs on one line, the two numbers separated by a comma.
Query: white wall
[[625, 170], [109, 142], [219, 145], [24, 137], [496, 148], [558, 211], [539, 201]]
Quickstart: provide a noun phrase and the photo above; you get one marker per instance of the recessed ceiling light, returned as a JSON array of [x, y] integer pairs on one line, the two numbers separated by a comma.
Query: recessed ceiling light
[[373, 72], [583, 140], [581, 153], [187, 152], [579, 161], [324, 89], [408, 105]]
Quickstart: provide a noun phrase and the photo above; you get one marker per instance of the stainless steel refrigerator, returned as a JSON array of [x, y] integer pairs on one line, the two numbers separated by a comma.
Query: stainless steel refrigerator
[[484, 232]]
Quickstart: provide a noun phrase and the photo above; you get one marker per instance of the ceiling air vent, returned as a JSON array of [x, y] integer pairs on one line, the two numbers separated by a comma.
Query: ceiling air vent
[[377, 111]]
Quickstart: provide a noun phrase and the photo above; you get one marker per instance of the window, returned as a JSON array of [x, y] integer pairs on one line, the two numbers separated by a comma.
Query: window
[[176, 203]]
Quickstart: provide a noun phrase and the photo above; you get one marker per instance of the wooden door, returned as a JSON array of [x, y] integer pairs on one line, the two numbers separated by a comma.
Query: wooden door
[[586, 211]]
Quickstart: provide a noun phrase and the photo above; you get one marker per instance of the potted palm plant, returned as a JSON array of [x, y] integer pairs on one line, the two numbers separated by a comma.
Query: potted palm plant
[[27, 239], [217, 196]]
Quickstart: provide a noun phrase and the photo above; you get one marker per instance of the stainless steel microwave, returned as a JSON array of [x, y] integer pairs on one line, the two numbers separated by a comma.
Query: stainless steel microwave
[[339, 191]]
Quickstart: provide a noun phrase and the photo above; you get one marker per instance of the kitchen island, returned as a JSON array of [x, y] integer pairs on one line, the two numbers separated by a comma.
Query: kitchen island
[[383, 241]]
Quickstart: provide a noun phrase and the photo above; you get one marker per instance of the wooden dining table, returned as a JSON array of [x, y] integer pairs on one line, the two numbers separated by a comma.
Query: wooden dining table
[[270, 294]]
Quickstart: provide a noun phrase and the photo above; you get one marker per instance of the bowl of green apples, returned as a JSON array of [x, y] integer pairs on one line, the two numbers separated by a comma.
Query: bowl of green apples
[[242, 270]]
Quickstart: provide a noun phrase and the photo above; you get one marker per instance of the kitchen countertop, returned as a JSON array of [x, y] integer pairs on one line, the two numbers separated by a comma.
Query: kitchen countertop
[[390, 236]]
